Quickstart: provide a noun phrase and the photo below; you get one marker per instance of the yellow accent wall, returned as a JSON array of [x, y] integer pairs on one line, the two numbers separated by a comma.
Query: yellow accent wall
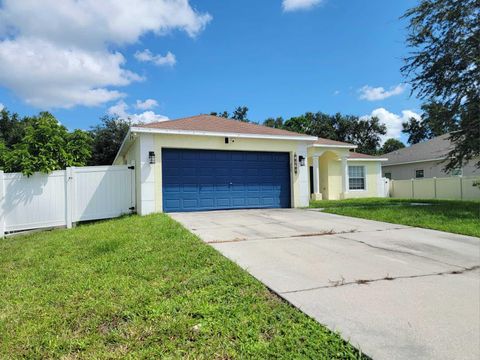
[[218, 143], [330, 168], [330, 164], [372, 173]]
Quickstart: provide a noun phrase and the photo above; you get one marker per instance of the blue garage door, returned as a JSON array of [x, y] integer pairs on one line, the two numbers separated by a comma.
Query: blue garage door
[[210, 180]]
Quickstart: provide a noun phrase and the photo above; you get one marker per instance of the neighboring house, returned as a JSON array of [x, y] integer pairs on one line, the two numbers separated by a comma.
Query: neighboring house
[[206, 162], [424, 160]]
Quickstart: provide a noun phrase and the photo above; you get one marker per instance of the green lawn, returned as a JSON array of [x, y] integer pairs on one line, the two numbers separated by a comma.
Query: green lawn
[[461, 217], [144, 287]]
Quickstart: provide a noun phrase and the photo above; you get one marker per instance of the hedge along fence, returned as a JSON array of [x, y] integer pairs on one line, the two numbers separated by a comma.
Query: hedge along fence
[[449, 188]]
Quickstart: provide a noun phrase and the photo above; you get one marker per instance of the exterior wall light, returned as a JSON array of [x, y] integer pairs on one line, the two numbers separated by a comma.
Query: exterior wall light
[[301, 160], [151, 157]]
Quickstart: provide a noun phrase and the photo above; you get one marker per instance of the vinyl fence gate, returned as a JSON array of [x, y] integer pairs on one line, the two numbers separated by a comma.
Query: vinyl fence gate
[[64, 197]]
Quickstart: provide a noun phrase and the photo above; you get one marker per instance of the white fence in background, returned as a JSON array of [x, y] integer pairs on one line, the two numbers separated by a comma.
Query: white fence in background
[[384, 190], [64, 197], [452, 188]]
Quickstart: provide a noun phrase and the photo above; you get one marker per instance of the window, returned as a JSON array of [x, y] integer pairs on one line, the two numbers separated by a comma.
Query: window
[[419, 174], [457, 172], [388, 176], [356, 177]]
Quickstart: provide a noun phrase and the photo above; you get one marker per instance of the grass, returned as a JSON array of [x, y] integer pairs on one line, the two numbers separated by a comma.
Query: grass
[[460, 217], [144, 287]]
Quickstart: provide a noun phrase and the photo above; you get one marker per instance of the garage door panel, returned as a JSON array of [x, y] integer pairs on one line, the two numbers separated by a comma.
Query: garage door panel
[[206, 169], [171, 156], [237, 156], [222, 202], [189, 156], [207, 203], [210, 179], [173, 204], [174, 171], [268, 201], [190, 204], [253, 201], [221, 171]]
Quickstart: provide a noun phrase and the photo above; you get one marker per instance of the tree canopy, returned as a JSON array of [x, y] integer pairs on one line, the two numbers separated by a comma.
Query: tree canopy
[[42, 145], [436, 120], [364, 132], [443, 69], [239, 113], [12, 128], [107, 139], [274, 122], [391, 145]]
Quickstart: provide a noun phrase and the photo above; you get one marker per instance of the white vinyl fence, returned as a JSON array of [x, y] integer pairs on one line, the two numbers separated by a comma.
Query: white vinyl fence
[[65, 197], [384, 188], [453, 188]]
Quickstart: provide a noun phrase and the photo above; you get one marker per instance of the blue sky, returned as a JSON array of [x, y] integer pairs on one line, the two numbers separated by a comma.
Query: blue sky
[[279, 58]]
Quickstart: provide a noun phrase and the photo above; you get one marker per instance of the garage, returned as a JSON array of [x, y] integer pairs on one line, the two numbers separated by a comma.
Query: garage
[[196, 180]]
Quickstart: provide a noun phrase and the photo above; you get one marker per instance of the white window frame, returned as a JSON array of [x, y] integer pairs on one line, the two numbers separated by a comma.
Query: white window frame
[[364, 178], [419, 177]]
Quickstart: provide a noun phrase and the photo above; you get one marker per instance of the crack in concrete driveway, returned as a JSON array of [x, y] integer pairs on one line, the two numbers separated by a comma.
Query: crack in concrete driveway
[[401, 252], [386, 278]]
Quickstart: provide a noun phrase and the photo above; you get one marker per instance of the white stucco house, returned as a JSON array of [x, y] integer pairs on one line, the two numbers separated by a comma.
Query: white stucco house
[[206, 162]]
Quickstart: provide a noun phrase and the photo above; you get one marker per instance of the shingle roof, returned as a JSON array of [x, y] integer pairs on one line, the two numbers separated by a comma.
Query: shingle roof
[[356, 155], [436, 148], [210, 123], [322, 141]]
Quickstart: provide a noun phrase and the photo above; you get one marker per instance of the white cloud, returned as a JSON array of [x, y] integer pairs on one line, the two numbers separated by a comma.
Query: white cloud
[[146, 105], [58, 53], [293, 5], [44, 74], [147, 56], [2, 107], [393, 121], [120, 109], [336, 92], [379, 93]]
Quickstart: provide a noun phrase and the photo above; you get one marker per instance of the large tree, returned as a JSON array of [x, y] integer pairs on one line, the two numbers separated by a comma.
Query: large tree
[[12, 127], [363, 132], [239, 113], [276, 123], [444, 67], [436, 120], [107, 139], [391, 145], [46, 146]]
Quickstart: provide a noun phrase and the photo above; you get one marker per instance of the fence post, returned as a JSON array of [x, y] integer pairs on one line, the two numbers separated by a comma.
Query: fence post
[[133, 188], [2, 213], [68, 196], [413, 189], [434, 187], [461, 187]]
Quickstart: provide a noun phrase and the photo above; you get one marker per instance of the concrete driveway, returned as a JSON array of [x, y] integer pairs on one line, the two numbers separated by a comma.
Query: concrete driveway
[[394, 291]]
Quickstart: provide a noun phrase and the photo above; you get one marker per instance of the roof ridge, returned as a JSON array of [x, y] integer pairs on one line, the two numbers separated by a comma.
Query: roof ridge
[[199, 116], [182, 118]]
